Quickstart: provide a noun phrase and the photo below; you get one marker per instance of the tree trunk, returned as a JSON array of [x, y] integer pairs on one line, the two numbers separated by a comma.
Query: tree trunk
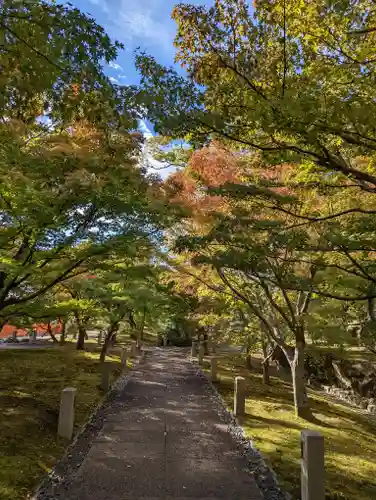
[[265, 373], [63, 332], [301, 402], [110, 335], [143, 325], [105, 346], [113, 339], [265, 364], [49, 329], [81, 338], [248, 356], [80, 346]]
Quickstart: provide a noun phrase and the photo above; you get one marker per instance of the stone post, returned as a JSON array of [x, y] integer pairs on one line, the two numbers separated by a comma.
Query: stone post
[[239, 396], [165, 341], [213, 369], [106, 369], [312, 466], [99, 340], [201, 353], [124, 355], [139, 347], [134, 349], [209, 344], [66, 414], [194, 349]]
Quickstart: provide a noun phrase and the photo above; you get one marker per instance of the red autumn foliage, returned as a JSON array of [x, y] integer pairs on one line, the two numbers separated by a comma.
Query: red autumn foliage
[[210, 167], [40, 328]]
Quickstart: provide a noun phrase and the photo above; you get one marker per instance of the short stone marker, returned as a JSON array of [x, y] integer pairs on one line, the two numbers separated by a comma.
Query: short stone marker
[[124, 355], [239, 396], [99, 339], [201, 353], [194, 349], [106, 370], [134, 349], [213, 369], [209, 344], [164, 340], [312, 466], [66, 414]]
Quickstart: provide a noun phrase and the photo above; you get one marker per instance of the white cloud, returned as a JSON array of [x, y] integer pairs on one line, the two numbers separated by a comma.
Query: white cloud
[[145, 129], [143, 23], [114, 80], [115, 65], [139, 22], [154, 166]]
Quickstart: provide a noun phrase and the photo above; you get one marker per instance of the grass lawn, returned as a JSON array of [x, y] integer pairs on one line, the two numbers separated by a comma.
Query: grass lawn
[[30, 386], [350, 437]]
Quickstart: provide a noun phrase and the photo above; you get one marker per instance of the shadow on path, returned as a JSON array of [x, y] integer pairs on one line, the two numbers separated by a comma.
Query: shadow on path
[[163, 439]]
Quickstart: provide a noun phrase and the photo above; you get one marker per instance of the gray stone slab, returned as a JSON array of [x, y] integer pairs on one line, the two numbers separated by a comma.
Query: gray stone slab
[[200, 443], [148, 443], [130, 418], [116, 471], [210, 477]]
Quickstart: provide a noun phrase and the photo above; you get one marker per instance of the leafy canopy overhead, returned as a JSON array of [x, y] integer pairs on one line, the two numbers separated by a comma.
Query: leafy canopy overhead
[[293, 80]]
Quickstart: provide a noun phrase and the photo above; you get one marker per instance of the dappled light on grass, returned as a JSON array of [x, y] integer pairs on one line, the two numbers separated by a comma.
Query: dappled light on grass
[[270, 421], [31, 382]]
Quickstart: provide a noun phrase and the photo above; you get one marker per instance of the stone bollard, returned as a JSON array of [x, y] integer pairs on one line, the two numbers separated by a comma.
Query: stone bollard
[[213, 369], [194, 349], [99, 339], [371, 409], [134, 349], [165, 341], [66, 414], [106, 370], [239, 396], [209, 345], [312, 466], [124, 355], [201, 353]]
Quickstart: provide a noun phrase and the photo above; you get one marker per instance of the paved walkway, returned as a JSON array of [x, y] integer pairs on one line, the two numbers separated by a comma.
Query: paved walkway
[[163, 440]]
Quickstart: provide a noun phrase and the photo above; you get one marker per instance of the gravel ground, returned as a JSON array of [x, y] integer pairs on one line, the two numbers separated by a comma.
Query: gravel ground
[[264, 476], [64, 470]]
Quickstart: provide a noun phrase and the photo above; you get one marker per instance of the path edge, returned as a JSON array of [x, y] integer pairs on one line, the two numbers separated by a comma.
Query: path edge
[[264, 475], [77, 450]]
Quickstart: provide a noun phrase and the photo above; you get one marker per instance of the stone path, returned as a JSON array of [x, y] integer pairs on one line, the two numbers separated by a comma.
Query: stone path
[[163, 440]]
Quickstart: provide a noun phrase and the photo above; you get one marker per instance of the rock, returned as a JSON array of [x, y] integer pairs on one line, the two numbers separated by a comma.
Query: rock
[[356, 399], [372, 409], [363, 404]]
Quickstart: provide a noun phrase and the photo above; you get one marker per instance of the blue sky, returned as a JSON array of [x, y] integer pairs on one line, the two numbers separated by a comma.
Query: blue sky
[[136, 23], [146, 24]]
